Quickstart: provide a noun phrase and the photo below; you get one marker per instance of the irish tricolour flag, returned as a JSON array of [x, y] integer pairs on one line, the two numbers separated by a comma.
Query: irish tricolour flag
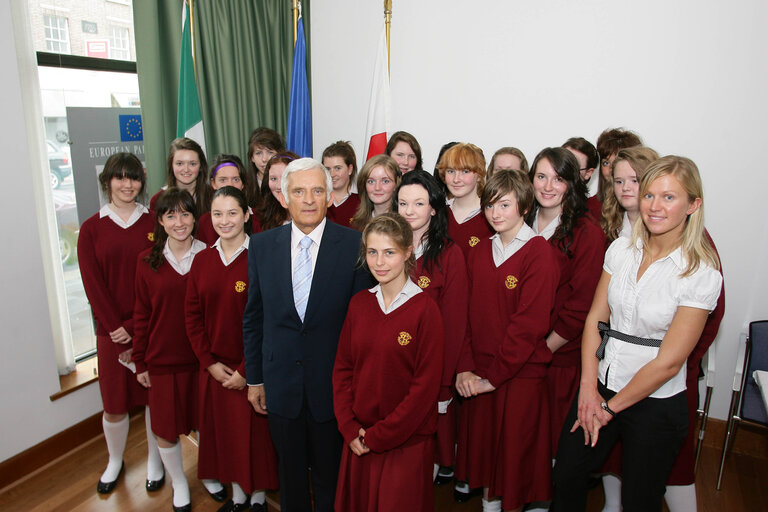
[[189, 121]]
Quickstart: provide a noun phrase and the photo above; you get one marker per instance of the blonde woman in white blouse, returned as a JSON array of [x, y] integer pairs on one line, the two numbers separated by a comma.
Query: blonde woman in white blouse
[[656, 290]]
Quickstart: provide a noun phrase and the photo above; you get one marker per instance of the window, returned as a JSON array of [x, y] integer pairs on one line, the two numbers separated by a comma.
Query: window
[[56, 33], [119, 43]]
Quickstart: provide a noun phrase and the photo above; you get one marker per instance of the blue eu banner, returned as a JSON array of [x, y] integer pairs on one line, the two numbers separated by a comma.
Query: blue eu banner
[[130, 128]]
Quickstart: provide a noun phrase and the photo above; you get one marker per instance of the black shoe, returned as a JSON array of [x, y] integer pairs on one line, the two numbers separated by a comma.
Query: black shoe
[[259, 507], [185, 508], [108, 487], [443, 479], [463, 497], [219, 496], [155, 485], [231, 506]]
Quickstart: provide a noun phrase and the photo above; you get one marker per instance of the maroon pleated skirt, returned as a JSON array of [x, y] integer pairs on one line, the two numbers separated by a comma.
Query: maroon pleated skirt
[[504, 442], [393, 481], [120, 391], [235, 445], [445, 445], [173, 403]]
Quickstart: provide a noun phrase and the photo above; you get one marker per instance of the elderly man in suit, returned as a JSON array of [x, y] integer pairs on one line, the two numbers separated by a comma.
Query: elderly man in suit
[[302, 276]]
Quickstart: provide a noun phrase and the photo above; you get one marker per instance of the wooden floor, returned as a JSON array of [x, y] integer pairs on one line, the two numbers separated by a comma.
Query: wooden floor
[[69, 483]]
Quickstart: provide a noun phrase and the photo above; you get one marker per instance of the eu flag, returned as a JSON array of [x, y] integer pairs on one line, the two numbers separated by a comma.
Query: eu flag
[[130, 128], [299, 133]]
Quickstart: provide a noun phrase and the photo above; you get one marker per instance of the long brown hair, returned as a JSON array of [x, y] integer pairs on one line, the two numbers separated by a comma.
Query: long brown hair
[[171, 200], [202, 193], [272, 213], [365, 210]]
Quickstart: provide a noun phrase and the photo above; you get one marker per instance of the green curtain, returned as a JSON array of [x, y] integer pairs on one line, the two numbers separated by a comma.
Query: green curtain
[[157, 31], [244, 56]]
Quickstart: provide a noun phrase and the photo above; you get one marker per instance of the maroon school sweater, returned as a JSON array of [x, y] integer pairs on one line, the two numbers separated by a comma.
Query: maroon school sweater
[[343, 213], [446, 283], [160, 342], [470, 233], [509, 311], [107, 254], [579, 275], [387, 372], [215, 301]]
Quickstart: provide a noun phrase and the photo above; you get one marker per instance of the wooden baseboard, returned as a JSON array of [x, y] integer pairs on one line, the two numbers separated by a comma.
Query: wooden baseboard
[[30, 460], [749, 439]]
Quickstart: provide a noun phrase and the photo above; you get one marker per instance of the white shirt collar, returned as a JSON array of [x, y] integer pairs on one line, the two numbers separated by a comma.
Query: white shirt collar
[[183, 266], [548, 231], [316, 234], [502, 253], [409, 290], [106, 211], [342, 200], [470, 215], [243, 247]]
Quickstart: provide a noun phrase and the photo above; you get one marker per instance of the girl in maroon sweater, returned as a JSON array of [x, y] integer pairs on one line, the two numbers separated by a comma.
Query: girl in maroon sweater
[[235, 445], [376, 185], [165, 362], [108, 248], [272, 214], [386, 380], [441, 272], [226, 170], [504, 444], [188, 170], [462, 168], [559, 214], [341, 161]]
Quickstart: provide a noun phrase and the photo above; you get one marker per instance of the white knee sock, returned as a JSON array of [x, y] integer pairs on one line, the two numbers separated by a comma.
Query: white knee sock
[[681, 498], [238, 495], [492, 505], [258, 497], [462, 487], [612, 489], [173, 465], [154, 462], [116, 435], [211, 485], [435, 469]]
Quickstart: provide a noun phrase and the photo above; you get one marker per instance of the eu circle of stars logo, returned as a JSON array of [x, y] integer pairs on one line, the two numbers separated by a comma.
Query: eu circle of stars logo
[[404, 338], [510, 282], [240, 286], [473, 241], [130, 128], [423, 282]]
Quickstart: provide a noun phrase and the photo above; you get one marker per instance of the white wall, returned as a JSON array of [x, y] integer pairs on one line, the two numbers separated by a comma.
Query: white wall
[[690, 77], [28, 374]]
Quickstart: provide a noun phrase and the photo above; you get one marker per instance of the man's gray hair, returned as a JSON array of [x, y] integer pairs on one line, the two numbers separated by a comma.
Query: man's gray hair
[[305, 164]]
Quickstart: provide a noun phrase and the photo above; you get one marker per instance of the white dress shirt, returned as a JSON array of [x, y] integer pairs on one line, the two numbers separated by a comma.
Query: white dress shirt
[[645, 308], [106, 211], [409, 290], [470, 215], [316, 235], [626, 227], [243, 247], [548, 231], [502, 253], [183, 266]]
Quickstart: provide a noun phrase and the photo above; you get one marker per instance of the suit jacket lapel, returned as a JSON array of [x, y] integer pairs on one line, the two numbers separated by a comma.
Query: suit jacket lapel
[[284, 272]]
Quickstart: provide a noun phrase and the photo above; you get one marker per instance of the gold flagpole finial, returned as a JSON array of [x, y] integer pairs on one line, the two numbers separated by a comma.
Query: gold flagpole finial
[[388, 23]]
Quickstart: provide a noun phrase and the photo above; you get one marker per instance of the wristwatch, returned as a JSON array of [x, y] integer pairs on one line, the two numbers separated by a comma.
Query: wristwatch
[[607, 409]]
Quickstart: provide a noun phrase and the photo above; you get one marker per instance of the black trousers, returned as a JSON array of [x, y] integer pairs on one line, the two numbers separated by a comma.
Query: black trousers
[[302, 443], [651, 432]]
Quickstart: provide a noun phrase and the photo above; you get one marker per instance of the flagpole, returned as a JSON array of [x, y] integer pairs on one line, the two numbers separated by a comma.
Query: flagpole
[[388, 22], [295, 20], [192, 35]]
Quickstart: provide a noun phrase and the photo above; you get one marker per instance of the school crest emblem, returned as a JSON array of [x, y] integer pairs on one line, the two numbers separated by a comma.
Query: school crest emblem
[[473, 241], [423, 281], [240, 286], [151, 236], [404, 338], [510, 282]]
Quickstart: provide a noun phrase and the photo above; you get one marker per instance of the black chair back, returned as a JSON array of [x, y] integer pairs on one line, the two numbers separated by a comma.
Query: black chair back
[[752, 405]]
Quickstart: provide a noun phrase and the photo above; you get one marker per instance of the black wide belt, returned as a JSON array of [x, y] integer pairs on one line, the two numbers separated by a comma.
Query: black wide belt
[[607, 332]]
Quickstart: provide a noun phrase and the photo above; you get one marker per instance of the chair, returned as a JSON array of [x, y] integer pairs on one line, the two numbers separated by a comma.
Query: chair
[[746, 401], [703, 413]]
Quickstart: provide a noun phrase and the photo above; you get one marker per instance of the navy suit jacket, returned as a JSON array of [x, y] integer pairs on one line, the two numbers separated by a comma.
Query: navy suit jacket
[[293, 359]]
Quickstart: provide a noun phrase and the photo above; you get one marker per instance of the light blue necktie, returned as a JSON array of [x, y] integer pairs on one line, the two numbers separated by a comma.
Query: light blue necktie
[[302, 277]]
